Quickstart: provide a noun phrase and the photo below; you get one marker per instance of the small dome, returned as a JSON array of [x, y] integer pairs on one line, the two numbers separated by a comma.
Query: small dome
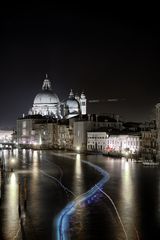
[[83, 95], [46, 97], [72, 104]]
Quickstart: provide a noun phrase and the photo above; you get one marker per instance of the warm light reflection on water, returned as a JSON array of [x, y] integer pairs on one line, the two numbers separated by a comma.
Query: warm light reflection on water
[[11, 225], [78, 177], [15, 153], [35, 168], [13, 180], [127, 185], [30, 153], [35, 173], [24, 152], [5, 157], [78, 189], [127, 205]]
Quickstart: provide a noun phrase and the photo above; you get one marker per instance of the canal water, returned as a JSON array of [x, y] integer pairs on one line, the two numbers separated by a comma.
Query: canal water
[[36, 186]]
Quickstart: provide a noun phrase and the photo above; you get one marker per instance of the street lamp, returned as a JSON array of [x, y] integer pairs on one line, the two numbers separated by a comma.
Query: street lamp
[[78, 148], [12, 164]]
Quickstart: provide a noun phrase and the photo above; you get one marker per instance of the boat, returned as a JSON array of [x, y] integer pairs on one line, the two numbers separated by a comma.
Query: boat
[[94, 153], [112, 154], [137, 160], [150, 163]]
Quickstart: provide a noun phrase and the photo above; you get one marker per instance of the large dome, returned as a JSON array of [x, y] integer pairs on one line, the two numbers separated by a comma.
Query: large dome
[[46, 97], [46, 102]]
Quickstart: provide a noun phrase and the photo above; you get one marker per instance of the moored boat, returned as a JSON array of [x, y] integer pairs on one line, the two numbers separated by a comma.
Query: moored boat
[[112, 154], [138, 160], [150, 163]]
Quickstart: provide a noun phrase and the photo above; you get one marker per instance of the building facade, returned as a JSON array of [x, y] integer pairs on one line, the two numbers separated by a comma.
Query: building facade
[[92, 124], [149, 143], [35, 131], [96, 141], [80, 129], [113, 143], [6, 136], [124, 144]]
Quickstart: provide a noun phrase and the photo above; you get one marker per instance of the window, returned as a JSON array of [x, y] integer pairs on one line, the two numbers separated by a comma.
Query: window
[[24, 132], [24, 124]]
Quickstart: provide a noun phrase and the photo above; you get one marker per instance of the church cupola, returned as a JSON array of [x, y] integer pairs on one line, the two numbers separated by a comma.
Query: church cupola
[[71, 94], [46, 84]]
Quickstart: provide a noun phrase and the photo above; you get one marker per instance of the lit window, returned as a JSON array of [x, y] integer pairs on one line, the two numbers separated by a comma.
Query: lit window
[[24, 132], [24, 124]]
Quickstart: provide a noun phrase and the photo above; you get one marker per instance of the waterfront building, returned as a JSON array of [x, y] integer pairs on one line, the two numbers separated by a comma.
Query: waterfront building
[[35, 131], [148, 140], [38, 131], [92, 123], [80, 129], [63, 135], [119, 143], [6, 136], [123, 143], [96, 141], [7, 140]]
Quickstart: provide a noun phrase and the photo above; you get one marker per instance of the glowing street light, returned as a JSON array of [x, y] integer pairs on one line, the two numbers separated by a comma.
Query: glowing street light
[[12, 164], [78, 148], [126, 153]]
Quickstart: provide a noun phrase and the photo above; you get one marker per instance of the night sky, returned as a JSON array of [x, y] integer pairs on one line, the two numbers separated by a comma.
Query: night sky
[[103, 51]]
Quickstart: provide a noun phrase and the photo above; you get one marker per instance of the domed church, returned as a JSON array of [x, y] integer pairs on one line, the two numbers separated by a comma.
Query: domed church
[[47, 103]]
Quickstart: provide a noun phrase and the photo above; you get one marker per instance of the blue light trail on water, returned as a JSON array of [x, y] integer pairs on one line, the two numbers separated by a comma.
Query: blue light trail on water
[[62, 220]]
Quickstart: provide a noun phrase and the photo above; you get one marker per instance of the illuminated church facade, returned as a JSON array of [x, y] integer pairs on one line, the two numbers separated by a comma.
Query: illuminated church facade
[[47, 103]]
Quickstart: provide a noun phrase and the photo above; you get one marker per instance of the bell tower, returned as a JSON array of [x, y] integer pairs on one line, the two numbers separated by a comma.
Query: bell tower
[[83, 104]]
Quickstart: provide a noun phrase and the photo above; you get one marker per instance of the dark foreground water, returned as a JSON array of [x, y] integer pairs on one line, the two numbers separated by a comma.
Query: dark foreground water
[[44, 182]]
